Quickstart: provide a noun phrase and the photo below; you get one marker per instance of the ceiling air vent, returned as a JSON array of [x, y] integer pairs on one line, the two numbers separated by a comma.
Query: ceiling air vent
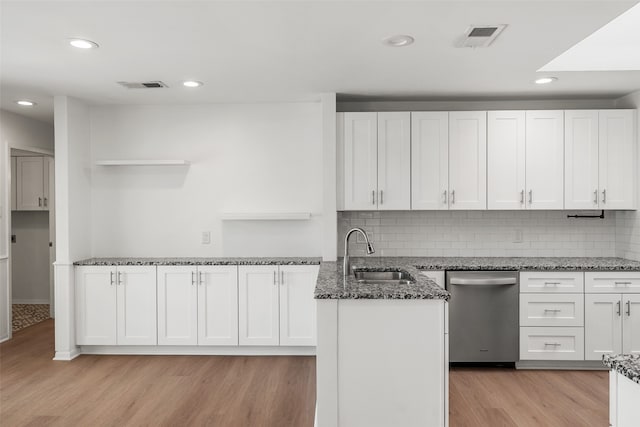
[[156, 84], [480, 35]]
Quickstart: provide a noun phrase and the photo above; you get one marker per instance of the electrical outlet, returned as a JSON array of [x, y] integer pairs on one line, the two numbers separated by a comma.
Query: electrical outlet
[[206, 237], [517, 236]]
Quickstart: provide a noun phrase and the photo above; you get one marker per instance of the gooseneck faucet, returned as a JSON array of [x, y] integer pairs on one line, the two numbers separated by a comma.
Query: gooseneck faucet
[[346, 267]]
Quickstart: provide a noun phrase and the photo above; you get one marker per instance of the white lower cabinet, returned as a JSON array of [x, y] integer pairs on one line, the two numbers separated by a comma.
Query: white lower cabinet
[[198, 305], [551, 343], [624, 395], [116, 305], [276, 305], [612, 323]]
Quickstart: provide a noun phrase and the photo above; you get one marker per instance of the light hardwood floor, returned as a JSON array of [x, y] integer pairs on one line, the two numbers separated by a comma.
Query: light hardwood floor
[[254, 391]]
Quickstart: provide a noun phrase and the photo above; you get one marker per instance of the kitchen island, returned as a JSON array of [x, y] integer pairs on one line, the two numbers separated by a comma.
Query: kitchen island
[[624, 389], [382, 348]]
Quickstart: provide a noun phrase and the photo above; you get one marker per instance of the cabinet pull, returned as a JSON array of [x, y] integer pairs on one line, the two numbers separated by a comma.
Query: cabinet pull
[[552, 310], [444, 194], [622, 283], [604, 196], [373, 197], [111, 278], [119, 278], [193, 278], [281, 278], [595, 197], [551, 283], [522, 197], [46, 202], [40, 202], [619, 310], [530, 196], [554, 344], [381, 197], [453, 197], [200, 279], [274, 278], [628, 307]]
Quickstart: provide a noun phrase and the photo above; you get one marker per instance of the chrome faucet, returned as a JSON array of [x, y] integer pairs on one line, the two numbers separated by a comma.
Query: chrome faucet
[[346, 267]]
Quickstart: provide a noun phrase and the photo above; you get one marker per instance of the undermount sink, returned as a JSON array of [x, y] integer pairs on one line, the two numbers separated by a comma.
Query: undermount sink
[[397, 277]]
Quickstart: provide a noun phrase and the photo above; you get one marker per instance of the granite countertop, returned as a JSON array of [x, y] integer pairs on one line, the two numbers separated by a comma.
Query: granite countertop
[[200, 261], [331, 284], [626, 364], [524, 263]]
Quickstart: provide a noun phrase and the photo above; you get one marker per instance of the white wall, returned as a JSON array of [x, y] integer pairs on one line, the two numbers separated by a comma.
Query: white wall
[[628, 223], [25, 133], [244, 158], [30, 257], [480, 233]]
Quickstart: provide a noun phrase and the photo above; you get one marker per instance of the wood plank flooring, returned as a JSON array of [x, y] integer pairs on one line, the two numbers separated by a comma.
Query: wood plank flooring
[[254, 391]]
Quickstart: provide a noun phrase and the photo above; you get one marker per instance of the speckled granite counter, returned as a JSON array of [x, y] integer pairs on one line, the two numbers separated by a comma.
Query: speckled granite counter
[[331, 284], [626, 364], [524, 264], [199, 261]]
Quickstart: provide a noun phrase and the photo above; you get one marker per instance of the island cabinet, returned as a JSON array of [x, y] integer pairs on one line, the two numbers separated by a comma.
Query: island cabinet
[[382, 362], [116, 305], [624, 395], [198, 305]]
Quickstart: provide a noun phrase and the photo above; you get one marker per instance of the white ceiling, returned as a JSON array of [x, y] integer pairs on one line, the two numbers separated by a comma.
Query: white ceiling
[[293, 50], [616, 46]]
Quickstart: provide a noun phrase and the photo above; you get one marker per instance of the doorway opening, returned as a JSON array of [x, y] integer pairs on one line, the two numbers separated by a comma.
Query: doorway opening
[[32, 238]]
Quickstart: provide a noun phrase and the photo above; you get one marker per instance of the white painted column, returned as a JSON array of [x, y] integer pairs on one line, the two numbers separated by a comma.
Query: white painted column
[[330, 217], [5, 211]]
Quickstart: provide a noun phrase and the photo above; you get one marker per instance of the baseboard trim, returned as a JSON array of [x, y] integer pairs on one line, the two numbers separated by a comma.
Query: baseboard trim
[[67, 355], [30, 301], [578, 365], [196, 350]]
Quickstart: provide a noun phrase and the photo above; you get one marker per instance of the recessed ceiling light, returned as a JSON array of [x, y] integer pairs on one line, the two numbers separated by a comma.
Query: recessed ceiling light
[[192, 83], [25, 103], [545, 80], [83, 44], [399, 40]]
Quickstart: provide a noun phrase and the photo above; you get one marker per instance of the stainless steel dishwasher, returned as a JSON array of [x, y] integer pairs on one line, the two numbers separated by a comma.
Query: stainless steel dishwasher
[[483, 316]]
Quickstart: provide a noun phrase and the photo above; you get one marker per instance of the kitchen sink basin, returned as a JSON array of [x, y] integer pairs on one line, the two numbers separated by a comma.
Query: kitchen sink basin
[[397, 277]]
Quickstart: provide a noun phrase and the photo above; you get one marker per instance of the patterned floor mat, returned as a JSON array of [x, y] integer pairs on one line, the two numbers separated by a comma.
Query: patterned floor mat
[[28, 314]]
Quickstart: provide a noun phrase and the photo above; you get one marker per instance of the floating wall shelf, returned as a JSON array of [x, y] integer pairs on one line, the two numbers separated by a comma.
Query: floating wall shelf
[[266, 216], [142, 162]]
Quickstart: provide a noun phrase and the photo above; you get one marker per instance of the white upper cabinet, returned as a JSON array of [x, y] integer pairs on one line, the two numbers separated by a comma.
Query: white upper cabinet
[[545, 159], [506, 145], [468, 160], [394, 161], [30, 183], [617, 149], [360, 141], [430, 160], [581, 159], [218, 305]]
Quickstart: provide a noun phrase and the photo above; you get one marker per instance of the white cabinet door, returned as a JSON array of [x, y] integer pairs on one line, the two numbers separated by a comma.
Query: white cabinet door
[[545, 159], [394, 161], [30, 181], [506, 160], [581, 159], [297, 306], [137, 320], [177, 306], [218, 305], [258, 305], [96, 305], [602, 325], [48, 185], [360, 161], [429, 160], [468, 160], [14, 183], [617, 159], [631, 324]]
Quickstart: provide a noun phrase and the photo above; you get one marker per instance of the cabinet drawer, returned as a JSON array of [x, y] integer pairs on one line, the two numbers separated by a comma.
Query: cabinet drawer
[[613, 282], [551, 343], [552, 282], [551, 310]]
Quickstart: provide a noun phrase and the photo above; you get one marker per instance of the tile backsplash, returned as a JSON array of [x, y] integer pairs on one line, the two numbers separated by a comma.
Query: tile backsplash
[[628, 235], [481, 233]]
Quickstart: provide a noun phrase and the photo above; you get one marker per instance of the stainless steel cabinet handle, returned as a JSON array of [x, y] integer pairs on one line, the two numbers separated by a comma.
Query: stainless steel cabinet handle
[[552, 310], [555, 344], [619, 311], [40, 201], [604, 196], [281, 278], [111, 278], [522, 197], [453, 196], [193, 278], [551, 283], [530, 196], [274, 278], [381, 197], [622, 283], [46, 202], [200, 278], [628, 307], [444, 194], [119, 278], [373, 197], [496, 281], [595, 197]]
